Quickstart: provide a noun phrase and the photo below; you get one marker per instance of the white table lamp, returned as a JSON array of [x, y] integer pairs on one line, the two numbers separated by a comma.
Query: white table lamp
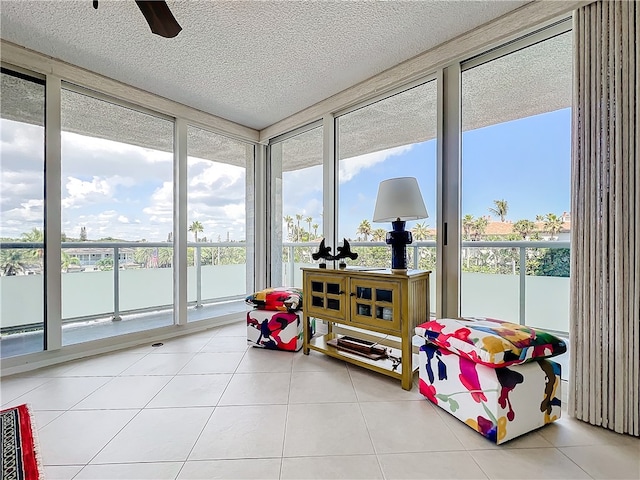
[[399, 200]]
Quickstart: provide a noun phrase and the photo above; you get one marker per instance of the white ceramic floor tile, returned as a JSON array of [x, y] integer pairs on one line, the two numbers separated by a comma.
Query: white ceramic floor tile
[[61, 393], [49, 372], [531, 463], [208, 363], [235, 329], [186, 428], [241, 469], [410, 426], [607, 461], [434, 465], [317, 362], [321, 387], [314, 430], [263, 360], [42, 418], [570, 432], [374, 387], [191, 391], [156, 435], [14, 387], [257, 389], [124, 392], [75, 437], [184, 344], [159, 364], [102, 366], [62, 472], [137, 471], [225, 344], [355, 467], [242, 432], [472, 440]]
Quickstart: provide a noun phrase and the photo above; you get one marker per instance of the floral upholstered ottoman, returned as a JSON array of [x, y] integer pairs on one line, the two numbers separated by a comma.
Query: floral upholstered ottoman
[[494, 376], [275, 330], [276, 320]]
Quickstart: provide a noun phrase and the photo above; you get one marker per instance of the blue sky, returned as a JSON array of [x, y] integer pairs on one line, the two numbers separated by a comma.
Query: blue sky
[[525, 162], [126, 192]]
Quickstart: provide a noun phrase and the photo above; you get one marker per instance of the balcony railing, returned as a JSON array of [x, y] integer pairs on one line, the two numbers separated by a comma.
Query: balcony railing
[[134, 286], [497, 276], [499, 279]]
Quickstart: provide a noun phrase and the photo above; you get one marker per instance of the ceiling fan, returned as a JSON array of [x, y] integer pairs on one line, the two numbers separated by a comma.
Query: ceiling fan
[[158, 16]]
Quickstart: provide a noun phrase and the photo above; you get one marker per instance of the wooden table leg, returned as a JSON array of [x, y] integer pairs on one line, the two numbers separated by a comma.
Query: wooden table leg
[[305, 334]]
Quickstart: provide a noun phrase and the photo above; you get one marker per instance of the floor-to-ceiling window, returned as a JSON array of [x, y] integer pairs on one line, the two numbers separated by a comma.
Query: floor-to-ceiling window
[[22, 214], [117, 217], [516, 154], [296, 203], [217, 185], [393, 137]]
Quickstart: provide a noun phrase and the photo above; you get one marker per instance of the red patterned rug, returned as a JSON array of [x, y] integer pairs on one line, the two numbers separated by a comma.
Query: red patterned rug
[[19, 456]]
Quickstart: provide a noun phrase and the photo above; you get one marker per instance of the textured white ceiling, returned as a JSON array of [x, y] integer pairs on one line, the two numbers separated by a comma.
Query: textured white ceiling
[[251, 62]]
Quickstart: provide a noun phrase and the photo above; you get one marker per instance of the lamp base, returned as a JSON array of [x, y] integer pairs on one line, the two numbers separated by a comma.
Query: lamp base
[[399, 271], [399, 238]]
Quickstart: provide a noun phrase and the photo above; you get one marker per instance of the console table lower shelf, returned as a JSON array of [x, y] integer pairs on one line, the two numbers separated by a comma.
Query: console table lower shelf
[[389, 366]]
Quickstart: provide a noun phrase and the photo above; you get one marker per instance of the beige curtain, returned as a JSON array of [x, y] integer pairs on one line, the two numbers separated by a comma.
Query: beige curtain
[[605, 246]]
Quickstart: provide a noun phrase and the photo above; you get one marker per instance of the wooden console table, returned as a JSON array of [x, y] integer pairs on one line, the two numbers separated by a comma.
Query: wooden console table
[[373, 300]]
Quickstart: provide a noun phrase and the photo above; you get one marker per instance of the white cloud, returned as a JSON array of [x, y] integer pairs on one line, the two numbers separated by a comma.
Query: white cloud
[[350, 167], [123, 219], [161, 206], [81, 192], [215, 174]]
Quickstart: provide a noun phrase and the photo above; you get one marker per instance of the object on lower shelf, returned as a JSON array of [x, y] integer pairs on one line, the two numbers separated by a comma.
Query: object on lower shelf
[[359, 347]]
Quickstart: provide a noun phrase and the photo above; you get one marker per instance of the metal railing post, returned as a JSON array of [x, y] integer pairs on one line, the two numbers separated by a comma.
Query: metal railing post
[[291, 265], [523, 281], [116, 285], [415, 256], [198, 278]]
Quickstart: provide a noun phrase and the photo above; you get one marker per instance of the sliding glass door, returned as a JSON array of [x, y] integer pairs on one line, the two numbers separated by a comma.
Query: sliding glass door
[[516, 155], [22, 227]]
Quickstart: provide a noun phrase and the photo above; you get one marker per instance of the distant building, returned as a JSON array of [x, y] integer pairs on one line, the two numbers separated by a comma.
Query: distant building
[[89, 257]]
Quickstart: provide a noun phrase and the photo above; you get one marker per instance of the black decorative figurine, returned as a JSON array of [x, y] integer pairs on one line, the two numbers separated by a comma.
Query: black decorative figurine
[[343, 252]]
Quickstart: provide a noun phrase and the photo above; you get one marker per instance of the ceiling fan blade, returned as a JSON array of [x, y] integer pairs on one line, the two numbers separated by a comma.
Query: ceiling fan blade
[[159, 18]]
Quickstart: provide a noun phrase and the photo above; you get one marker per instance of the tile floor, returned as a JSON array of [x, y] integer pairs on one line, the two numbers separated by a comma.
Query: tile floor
[[205, 406]]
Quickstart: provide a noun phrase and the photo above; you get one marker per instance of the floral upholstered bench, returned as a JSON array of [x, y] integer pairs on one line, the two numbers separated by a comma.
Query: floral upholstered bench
[[493, 375]]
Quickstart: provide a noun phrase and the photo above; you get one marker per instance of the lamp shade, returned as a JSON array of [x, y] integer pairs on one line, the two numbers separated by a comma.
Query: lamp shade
[[399, 198]]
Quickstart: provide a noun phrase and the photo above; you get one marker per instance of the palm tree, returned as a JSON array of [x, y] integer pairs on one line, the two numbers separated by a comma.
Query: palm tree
[[309, 220], [196, 227], [142, 256], [315, 230], [467, 225], [420, 231], [480, 226], [35, 236], [105, 264], [364, 228], [501, 209], [165, 256], [524, 228], [289, 221], [11, 262], [552, 224], [379, 235], [67, 260], [299, 217]]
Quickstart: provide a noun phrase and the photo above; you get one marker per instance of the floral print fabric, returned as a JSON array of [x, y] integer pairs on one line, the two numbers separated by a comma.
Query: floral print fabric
[[284, 299], [491, 342], [275, 330], [499, 403]]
